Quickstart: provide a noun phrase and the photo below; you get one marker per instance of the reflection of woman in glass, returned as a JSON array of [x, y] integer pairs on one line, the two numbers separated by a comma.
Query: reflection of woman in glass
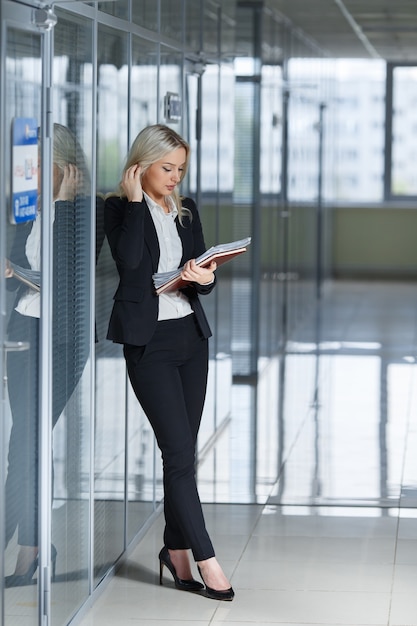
[[165, 338], [71, 228]]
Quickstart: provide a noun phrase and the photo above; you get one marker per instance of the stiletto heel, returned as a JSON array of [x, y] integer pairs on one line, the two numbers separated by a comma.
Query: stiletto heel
[[214, 594], [161, 567], [22, 580], [53, 561], [183, 585]]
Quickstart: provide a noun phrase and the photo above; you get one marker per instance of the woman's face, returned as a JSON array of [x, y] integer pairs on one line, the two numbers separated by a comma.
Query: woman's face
[[161, 178]]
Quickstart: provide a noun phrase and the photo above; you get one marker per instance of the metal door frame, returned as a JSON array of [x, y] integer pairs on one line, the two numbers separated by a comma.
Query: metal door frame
[[22, 16]]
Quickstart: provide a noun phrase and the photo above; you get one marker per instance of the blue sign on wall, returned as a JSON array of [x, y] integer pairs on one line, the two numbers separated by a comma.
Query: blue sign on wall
[[24, 197]]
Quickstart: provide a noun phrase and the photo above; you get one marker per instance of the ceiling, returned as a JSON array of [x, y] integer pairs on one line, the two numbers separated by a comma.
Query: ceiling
[[385, 29]]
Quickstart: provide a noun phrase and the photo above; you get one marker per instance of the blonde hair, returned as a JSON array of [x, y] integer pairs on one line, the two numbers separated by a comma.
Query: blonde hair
[[151, 145], [68, 150]]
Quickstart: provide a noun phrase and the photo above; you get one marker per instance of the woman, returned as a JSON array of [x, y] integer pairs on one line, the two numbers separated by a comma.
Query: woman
[[71, 228], [165, 338]]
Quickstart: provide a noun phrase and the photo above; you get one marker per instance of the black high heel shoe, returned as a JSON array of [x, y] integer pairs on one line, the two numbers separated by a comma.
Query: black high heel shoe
[[214, 594], [22, 580], [183, 585]]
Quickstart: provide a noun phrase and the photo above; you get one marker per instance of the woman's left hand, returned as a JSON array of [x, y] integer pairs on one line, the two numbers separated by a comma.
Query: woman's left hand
[[196, 274], [8, 272]]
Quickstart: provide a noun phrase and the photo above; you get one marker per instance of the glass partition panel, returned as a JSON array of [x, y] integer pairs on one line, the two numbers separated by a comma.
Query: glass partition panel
[[210, 24], [141, 468], [244, 357], [145, 13], [110, 418], [170, 81], [144, 81], [272, 261], [22, 100], [404, 131], [141, 447], [74, 211], [357, 107], [193, 16], [172, 18], [217, 155], [208, 198], [118, 8]]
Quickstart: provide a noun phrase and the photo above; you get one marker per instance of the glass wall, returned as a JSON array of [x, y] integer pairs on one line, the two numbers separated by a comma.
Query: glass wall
[[73, 249], [358, 104], [110, 76], [403, 83], [111, 400], [273, 214], [21, 114], [143, 489]]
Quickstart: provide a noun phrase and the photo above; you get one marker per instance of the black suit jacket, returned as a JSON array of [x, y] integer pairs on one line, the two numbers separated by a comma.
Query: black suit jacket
[[134, 245]]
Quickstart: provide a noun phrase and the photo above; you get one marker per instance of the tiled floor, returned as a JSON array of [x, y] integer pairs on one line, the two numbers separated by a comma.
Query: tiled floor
[[326, 531]]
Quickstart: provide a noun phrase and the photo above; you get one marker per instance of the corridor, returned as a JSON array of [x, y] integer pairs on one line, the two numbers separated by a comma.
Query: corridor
[[315, 522]]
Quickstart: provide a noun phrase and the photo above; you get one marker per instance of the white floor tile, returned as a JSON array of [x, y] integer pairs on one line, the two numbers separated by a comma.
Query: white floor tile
[[403, 609], [316, 607], [330, 538]]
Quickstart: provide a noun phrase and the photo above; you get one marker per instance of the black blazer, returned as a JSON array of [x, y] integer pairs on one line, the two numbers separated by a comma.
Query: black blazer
[[134, 245]]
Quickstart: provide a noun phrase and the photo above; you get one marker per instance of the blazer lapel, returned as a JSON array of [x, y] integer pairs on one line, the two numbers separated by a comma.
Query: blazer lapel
[[151, 240], [186, 240]]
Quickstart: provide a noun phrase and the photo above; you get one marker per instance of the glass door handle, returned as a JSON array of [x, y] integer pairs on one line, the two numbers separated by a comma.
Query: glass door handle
[[13, 346], [16, 346]]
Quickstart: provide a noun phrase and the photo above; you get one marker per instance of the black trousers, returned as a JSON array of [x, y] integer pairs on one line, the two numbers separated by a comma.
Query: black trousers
[[169, 378], [22, 481]]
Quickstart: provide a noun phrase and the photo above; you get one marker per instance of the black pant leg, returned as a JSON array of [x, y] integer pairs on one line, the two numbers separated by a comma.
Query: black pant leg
[[21, 489], [169, 377]]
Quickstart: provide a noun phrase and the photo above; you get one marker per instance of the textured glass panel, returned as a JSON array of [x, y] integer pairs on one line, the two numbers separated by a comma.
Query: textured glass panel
[[171, 19], [244, 119], [210, 26], [110, 369], [354, 132], [303, 114], [74, 212], [245, 62], [145, 14], [272, 230], [21, 419], [170, 78], [404, 132], [140, 478], [211, 186], [193, 18], [118, 8], [228, 27], [189, 184], [242, 227], [272, 44], [271, 129], [144, 107]]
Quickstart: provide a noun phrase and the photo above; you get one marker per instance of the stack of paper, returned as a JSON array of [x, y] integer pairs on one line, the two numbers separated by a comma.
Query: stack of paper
[[31, 278], [171, 281]]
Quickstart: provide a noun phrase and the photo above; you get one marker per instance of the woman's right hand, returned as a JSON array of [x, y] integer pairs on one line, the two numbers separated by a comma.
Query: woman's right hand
[[131, 183], [70, 182]]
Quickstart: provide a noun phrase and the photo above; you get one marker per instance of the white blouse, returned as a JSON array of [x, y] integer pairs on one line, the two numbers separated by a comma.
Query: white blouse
[[30, 303], [175, 304]]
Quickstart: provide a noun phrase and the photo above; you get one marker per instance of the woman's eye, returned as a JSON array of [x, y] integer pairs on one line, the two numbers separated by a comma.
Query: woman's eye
[[166, 169]]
